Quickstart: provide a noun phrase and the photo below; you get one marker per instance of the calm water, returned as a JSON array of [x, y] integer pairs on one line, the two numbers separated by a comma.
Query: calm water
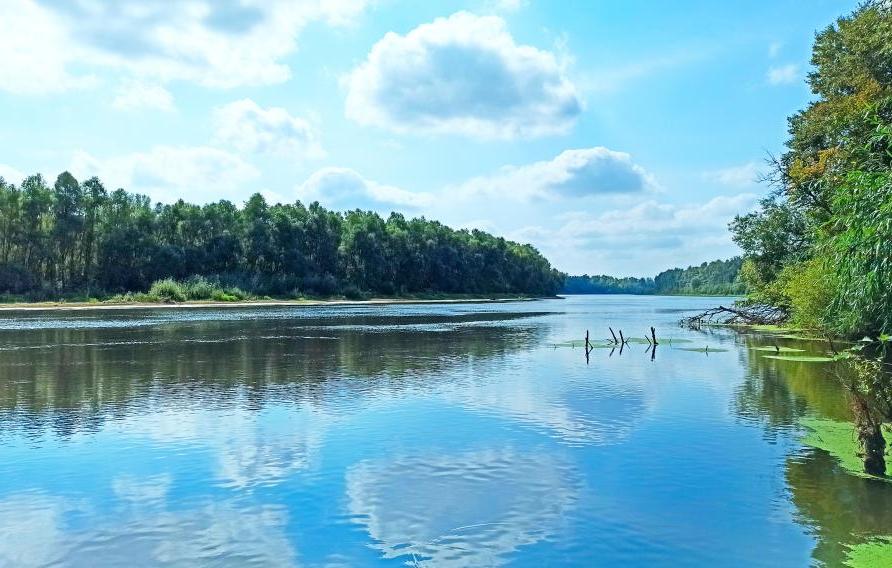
[[451, 435]]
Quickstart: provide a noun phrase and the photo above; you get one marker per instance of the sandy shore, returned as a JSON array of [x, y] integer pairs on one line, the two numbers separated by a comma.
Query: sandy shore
[[73, 306]]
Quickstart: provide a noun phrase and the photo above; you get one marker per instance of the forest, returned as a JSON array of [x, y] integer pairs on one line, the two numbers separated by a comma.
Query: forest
[[716, 278], [76, 239], [820, 245]]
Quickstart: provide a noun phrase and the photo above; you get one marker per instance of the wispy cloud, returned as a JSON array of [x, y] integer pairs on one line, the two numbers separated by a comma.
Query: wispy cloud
[[140, 96], [736, 176], [783, 75]]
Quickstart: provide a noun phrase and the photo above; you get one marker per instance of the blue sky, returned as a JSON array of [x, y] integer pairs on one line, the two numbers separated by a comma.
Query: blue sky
[[618, 137]]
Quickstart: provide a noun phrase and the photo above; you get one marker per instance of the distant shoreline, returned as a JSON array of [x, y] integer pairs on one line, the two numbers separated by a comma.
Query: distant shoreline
[[84, 306]]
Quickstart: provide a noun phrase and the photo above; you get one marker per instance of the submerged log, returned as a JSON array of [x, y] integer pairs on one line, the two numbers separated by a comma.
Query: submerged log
[[873, 449], [868, 428], [756, 314]]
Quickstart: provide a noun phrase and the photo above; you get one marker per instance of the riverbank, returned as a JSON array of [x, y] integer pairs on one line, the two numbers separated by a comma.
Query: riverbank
[[267, 302]]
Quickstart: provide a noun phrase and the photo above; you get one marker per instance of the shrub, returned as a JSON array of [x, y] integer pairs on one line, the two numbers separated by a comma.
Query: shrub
[[352, 292], [167, 290], [811, 287], [199, 288]]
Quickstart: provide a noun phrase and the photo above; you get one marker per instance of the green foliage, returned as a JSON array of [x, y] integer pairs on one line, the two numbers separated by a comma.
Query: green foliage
[[810, 287], [168, 290], [719, 277], [821, 245], [77, 238], [861, 248], [776, 235]]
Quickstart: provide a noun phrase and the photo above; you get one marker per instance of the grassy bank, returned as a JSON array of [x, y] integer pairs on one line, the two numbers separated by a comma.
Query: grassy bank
[[200, 293]]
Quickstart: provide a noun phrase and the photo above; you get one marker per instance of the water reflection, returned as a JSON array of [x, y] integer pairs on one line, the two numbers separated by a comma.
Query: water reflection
[[839, 509], [49, 531], [78, 378], [439, 434], [468, 509]]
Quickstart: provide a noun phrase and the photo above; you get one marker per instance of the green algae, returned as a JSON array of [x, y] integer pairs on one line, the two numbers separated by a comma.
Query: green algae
[[773, 349], [801, 358], [875, 553], [838, 439], [581, 344], [769, 327], [703, 349], [572, 343], [799, 337]]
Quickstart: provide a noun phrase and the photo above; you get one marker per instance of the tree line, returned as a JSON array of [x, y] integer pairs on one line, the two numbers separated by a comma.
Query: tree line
[[820, 245], [716, 278], [75, 237]]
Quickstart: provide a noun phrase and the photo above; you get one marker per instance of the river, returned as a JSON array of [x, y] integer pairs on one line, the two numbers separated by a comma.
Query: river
[[442, 435]]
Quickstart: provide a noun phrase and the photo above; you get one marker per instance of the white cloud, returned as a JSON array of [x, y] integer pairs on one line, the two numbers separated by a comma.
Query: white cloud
[[783, 75], [343, 188], [166, 173], [774, 49], [248, 127], [506, 6], [11, 174], [464, 75], [37, 49], [736, 176], [138, 96], [573, 173], [655, 234], [223, 43]]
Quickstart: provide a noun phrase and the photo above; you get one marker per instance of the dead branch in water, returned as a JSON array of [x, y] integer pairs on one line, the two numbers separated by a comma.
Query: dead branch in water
[[757, 314]]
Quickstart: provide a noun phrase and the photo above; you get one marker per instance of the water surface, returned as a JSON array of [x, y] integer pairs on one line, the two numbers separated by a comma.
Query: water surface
[[445, 435]]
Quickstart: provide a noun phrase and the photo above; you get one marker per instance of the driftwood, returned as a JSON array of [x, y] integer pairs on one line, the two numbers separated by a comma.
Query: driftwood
[[757, 314]]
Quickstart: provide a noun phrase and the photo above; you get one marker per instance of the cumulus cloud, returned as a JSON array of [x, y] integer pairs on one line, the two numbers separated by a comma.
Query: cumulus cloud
[[138, 96], [783, 75], [623, 239], [216, 43], [249, 128], [573, 173], [343, 188], [463, 74], [735, 176], [165, 173], [37, 51]]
